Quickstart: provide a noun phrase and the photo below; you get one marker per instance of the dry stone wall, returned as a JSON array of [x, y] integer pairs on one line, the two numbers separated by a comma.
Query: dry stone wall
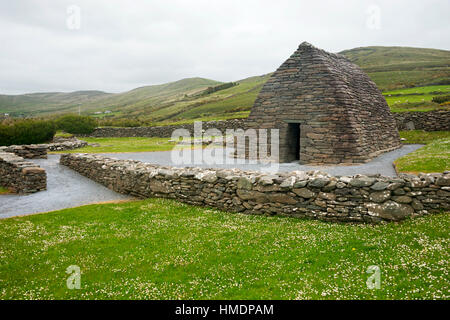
[[39, 151], [32, 151], [437, 120], [66, 144], [19, 175], [166, 131], [314, 195]]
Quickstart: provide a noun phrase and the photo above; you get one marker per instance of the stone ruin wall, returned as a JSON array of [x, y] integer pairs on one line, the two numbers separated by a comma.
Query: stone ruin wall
[[436, 120], [316, 195], [39, 151], [21, 176], [165, 131], [31, 151]]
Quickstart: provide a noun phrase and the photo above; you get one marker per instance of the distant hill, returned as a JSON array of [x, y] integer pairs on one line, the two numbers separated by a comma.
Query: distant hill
[[47, 102], [188, 99], [41, 104], [399, 67]]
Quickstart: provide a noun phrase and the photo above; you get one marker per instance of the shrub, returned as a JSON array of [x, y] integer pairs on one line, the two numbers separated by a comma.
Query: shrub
[[219, 87], [441, 99], [26, 132], [76, 124]]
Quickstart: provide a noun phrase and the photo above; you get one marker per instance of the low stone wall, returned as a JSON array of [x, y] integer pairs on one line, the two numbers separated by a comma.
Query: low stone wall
[[66, 144], [166, 131], [39, 151], [21, 176], [299, 194], [437, 120], [32, 151]]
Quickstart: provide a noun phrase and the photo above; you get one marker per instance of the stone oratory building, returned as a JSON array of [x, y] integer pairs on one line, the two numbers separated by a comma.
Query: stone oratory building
[[327, 110]]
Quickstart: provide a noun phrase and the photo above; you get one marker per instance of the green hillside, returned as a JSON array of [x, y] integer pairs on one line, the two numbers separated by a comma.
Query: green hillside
[[47, 102], [399, 67], [41, 104], [391, 68]]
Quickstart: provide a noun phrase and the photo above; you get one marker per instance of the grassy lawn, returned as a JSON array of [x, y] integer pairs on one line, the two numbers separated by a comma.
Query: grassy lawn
[[3, 190], [61, 134], [417, 107], [423, 137], [388, 80], [419, 90], [161, 249], [415, 99], [135, 144], [434, 157], [408, 98]]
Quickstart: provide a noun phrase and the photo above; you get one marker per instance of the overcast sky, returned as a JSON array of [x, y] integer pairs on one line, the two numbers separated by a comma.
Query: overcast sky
[[115, 46]]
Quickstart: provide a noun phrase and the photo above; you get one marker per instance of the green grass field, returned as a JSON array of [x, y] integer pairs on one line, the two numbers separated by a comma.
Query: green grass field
[[161, 249], [434, 157], [420, 90], [402, 67], [135, 144], [423, 137], [3, 190], [391, 80], [415, 99], [408, 99], [416, 107]]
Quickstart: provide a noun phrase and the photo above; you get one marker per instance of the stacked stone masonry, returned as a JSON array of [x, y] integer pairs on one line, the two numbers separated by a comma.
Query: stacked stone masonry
[[39, 151], [436, 120], [62, 144], [32, 151], [327, 109], [19, 175], [316, 195]]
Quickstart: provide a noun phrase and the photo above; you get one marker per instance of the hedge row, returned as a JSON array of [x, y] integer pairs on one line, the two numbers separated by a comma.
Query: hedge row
[[219, 87], [441, 99], [32, 131], [76, 124], [27, 132]]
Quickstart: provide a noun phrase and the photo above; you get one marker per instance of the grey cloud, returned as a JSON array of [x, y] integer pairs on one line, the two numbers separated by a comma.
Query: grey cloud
[[125, 44]]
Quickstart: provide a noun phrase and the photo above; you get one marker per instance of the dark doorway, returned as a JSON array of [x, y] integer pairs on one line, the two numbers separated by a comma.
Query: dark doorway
[[293, 141]]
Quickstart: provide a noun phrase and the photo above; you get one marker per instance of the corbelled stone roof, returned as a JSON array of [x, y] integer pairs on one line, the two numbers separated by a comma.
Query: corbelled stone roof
[[342, 114]]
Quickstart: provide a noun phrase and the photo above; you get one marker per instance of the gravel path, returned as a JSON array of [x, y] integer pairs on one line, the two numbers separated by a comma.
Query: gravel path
[[382, 164], [66, 188]]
